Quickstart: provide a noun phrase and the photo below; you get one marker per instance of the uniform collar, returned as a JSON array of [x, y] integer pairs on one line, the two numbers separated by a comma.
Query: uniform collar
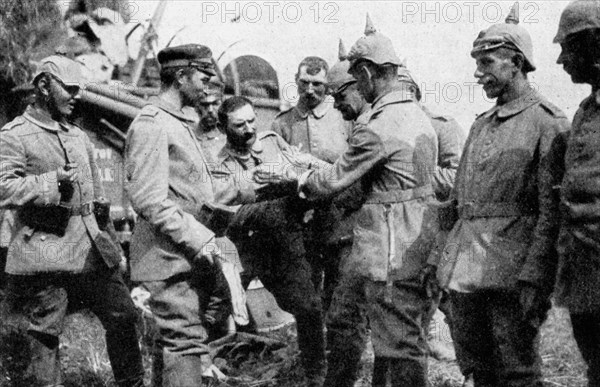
[[393, 96], [515, 106], [42, 119], [171, 109], [318, 111], [228, 152]]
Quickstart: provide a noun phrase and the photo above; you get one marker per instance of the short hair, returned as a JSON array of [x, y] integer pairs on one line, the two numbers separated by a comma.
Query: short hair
[[168, 76], [314, 65], [230, 105], [385, 71]]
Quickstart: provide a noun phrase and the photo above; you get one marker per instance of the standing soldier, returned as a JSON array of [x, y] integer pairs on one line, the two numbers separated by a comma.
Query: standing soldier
[[314, 126], [59, 254], [507, 216], [451, 140], [211, 138], [346, 320], [392, 152], [578, 285], [274, 249], [172, 252]]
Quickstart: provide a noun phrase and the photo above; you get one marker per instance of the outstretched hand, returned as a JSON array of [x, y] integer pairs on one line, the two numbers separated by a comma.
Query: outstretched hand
[[266, 175]]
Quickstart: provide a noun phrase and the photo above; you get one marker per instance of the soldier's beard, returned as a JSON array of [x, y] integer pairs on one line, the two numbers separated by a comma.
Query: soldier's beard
[[209, 123], [242, 142]]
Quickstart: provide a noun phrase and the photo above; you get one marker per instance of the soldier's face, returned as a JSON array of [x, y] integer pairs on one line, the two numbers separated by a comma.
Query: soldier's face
[[241, 127], [193, 87], [311, 87], [349, 102], [364, 81], [576, 60], [207, 110], [61, 97], [495, 73]]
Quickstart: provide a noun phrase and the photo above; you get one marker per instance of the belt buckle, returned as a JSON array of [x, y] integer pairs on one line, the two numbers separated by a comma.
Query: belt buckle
[[86, 209], [467, 211]]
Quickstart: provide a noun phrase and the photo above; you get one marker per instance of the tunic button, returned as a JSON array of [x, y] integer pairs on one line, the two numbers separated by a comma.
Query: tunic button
[[43, 238]]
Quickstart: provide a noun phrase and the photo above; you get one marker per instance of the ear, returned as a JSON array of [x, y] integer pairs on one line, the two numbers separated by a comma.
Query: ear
[[43, 85], [366, 72], [181, 76], [519, 61]]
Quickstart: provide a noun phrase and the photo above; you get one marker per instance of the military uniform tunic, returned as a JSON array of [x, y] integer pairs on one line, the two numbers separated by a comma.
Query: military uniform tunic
[[507, 227], [451, 140], [50, 270], [321, 131], [167, 181], [395, 166], [32, 148], [579, 243], [506, 203]]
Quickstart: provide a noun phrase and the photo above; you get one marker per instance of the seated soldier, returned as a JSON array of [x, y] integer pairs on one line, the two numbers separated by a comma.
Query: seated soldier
[[268, 233]]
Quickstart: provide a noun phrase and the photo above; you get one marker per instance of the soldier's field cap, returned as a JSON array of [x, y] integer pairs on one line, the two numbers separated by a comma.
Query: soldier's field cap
[[66, 70], [579, 15], [374, 47], [338, 77], [187, 55], [510, 35]]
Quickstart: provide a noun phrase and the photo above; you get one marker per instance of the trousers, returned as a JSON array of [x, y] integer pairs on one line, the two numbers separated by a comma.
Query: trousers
[[502, 347], [394, 315], [35, 307]]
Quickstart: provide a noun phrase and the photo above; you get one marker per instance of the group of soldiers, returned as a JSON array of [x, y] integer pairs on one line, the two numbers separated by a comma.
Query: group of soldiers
[[353, 210]]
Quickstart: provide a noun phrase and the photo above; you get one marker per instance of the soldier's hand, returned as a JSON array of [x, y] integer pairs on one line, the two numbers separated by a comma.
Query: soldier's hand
[[264, 175], [429, 282], [534, 303], [67, 174]]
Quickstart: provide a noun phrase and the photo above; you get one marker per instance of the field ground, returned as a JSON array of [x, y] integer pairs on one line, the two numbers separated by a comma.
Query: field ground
[[85, 362]]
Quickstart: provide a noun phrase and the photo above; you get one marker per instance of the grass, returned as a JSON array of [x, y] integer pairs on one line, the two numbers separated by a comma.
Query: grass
[[85, 361]]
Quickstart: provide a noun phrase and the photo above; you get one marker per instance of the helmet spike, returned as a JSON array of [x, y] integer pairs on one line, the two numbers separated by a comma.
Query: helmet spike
[[342, 52], [513, 15], [369, 28]]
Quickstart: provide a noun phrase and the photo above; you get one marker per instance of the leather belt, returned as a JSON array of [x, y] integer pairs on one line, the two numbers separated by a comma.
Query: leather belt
[[398, 196]]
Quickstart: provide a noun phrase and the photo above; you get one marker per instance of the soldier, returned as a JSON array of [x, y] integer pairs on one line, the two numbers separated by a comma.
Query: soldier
[[392, 152], [346, 320], [172, 252], [315, 127], [274, 249], [451, 140], [208, 133], [579, 242], [59, 253], [506, 216]]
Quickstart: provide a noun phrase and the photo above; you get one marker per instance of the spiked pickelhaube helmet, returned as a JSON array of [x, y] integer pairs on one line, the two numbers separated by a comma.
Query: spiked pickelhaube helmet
[[510, 35]]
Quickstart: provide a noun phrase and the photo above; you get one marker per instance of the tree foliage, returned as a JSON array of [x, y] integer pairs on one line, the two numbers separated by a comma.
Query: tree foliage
[[31, 30]]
